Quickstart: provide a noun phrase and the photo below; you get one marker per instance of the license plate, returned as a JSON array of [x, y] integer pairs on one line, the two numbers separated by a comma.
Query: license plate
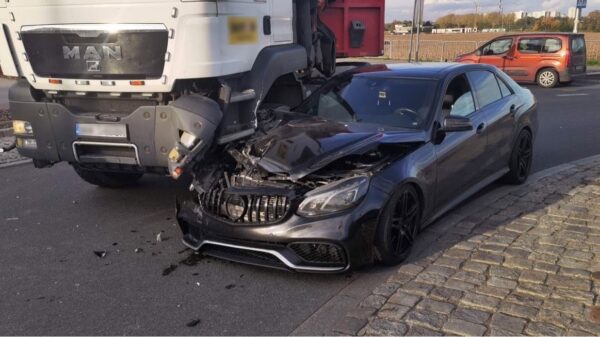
[[112, 131]]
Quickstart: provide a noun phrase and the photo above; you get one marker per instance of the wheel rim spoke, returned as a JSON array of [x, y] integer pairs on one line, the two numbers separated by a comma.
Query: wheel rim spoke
[[404, 220]]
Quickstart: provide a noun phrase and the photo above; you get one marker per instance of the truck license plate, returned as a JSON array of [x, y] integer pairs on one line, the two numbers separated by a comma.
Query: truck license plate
[[112, 131]]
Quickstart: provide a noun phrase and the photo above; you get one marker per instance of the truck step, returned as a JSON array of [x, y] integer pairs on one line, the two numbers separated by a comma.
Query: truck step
[[245, 95]]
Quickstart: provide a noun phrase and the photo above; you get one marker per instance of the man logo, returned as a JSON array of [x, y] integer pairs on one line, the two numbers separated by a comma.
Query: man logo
[[93, 66], [93, 53]]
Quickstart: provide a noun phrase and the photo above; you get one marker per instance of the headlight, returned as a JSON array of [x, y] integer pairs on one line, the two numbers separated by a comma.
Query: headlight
[[334, 197], [22, 128]]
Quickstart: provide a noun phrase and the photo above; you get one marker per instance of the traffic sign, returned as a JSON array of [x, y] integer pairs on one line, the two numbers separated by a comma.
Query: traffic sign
[[581, 3]]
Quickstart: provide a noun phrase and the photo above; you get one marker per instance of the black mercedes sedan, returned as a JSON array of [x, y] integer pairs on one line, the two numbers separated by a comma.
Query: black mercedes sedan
[[353, 174]]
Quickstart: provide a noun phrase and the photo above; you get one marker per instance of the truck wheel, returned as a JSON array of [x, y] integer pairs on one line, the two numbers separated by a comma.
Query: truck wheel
[[107, 179], [547, 78]]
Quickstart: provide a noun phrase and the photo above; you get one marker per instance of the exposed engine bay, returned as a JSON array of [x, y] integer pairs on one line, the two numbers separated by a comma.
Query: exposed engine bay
[[249, 182]]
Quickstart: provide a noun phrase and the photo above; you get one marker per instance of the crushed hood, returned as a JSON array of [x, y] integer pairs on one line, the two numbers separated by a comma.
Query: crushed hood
[[301, 147]]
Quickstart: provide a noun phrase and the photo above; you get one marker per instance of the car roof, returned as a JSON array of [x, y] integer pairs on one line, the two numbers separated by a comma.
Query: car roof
[[540, 34], [433, 70]]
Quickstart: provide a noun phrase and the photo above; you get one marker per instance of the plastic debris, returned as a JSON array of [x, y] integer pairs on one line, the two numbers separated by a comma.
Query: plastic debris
[[193, 323], [100, 253]]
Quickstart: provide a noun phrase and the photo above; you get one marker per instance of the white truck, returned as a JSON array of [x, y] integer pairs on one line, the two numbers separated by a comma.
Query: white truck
[[119, 88]]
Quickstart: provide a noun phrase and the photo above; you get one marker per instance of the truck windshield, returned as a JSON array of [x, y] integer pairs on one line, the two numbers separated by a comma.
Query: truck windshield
[[393, 102]]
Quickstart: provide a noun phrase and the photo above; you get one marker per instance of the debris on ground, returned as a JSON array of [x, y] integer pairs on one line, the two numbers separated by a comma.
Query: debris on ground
[[230, 286], [12, 219], [159, 237], [138, 250], [169, 270], [100, 253], [193, 323]]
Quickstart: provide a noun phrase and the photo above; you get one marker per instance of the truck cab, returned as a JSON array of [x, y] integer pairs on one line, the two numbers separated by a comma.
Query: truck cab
[[122, 88]]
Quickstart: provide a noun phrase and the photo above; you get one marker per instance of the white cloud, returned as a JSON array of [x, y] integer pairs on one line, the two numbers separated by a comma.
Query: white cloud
[[402, 9]]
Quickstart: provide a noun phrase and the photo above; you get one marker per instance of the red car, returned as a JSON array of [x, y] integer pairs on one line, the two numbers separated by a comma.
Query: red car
[[547, 59]]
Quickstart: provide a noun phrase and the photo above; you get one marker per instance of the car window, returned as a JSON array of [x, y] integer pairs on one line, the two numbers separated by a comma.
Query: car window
[[539, 45], [497, 47], [458, 99], [552, 46], [486, 87], [578, 45], [330, 107], [504, 88], [386, 101]]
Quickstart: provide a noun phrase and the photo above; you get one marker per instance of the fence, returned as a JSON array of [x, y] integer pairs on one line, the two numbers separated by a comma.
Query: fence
[[437, 50]]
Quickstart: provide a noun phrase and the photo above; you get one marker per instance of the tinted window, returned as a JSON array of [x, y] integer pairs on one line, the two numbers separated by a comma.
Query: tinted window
[[539, 45], [504, 88], [486, 87], [458, 99], [395, 102], [578, 45], [497, 47]]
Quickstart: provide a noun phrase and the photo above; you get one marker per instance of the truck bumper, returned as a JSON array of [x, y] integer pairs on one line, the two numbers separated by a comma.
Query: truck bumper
[[150, 132]]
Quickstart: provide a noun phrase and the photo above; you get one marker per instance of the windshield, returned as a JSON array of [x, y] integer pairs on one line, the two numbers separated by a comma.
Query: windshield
[[394, 102]]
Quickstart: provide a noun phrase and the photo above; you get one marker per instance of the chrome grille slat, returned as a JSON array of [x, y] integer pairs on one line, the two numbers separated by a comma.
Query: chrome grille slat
[[258, 209]]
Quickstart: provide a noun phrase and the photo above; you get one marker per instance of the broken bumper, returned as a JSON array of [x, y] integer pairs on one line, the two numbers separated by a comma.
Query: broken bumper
[[149, 133], [297, 243]]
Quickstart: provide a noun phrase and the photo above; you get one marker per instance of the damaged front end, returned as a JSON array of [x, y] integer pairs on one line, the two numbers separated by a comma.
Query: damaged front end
[[290, 199]]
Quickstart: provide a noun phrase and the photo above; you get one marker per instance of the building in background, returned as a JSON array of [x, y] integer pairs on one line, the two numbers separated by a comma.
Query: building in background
[[554, 14], [401, 29], [539, 14], [520, 15]]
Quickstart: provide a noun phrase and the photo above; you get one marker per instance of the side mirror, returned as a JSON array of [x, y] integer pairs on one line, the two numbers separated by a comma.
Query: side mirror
[[456, 124]]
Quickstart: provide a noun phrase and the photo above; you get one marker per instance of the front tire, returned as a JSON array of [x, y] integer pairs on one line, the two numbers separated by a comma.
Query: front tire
[[521, 159], [547, 78], [398, 226], [107, 179]]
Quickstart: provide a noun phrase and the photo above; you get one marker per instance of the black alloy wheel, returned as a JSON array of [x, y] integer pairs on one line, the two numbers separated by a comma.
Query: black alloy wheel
[[399, 225], [521, 159]]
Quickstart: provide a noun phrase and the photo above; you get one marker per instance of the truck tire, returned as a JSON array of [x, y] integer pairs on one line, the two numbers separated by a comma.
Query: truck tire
[[107, 179]]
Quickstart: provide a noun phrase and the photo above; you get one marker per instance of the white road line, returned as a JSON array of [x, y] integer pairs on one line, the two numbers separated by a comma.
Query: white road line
[[571, 95]]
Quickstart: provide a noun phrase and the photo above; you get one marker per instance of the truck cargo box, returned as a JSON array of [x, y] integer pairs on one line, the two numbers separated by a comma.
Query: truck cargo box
[[358, 26]]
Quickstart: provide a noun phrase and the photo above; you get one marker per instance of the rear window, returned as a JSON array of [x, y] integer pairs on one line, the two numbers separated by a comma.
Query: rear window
[[578, 45], [539, 45]]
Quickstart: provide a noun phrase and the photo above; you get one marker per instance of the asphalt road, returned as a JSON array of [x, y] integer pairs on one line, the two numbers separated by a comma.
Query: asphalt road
[[53, 225]]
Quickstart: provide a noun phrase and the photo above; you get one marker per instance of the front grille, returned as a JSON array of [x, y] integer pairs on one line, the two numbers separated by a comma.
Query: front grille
[[319, 253], [244, 207], [119, 52]]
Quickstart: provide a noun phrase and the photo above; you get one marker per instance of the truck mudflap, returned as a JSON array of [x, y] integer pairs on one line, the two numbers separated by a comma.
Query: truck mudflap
[[149, 138]]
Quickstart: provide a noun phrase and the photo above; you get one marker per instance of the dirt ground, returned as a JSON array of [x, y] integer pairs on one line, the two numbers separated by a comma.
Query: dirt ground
[[435, 47]]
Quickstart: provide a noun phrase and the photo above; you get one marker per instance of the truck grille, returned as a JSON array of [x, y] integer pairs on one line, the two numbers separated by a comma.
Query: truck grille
[[245, 208], [126, 51]]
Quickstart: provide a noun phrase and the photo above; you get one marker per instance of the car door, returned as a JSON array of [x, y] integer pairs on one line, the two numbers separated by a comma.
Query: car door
[[459, 154], [530, 55], [495, 52], [497, 108]]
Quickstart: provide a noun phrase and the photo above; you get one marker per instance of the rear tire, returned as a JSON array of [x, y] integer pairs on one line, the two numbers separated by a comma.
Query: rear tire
[[547, 78], [521, 159], [107, 179], [398, 226]]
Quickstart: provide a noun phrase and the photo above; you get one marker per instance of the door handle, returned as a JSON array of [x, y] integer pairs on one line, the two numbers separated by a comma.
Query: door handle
[[480, 128]]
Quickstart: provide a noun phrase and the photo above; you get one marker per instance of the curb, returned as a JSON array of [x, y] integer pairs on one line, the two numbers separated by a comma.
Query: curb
[[8, 132], [16, 163], [494, 194]]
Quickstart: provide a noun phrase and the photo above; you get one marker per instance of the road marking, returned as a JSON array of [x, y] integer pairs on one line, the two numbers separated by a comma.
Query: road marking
[[571, 95]]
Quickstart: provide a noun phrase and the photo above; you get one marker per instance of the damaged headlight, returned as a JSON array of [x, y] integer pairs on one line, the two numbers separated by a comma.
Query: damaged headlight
[[334, 197]]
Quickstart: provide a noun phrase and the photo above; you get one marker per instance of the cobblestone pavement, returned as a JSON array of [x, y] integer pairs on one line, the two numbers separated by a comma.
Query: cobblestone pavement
[[515, 261], [12, 156]]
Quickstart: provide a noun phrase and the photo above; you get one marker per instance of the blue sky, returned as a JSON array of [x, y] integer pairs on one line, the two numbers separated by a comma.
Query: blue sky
[[402, 9]]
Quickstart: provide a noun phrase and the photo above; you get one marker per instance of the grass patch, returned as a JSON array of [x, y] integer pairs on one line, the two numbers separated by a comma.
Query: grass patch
[[593, 62]]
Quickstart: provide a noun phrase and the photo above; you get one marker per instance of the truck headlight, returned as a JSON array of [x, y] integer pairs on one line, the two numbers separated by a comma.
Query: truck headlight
[[26, 143], [22, 128], [334, 197]]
